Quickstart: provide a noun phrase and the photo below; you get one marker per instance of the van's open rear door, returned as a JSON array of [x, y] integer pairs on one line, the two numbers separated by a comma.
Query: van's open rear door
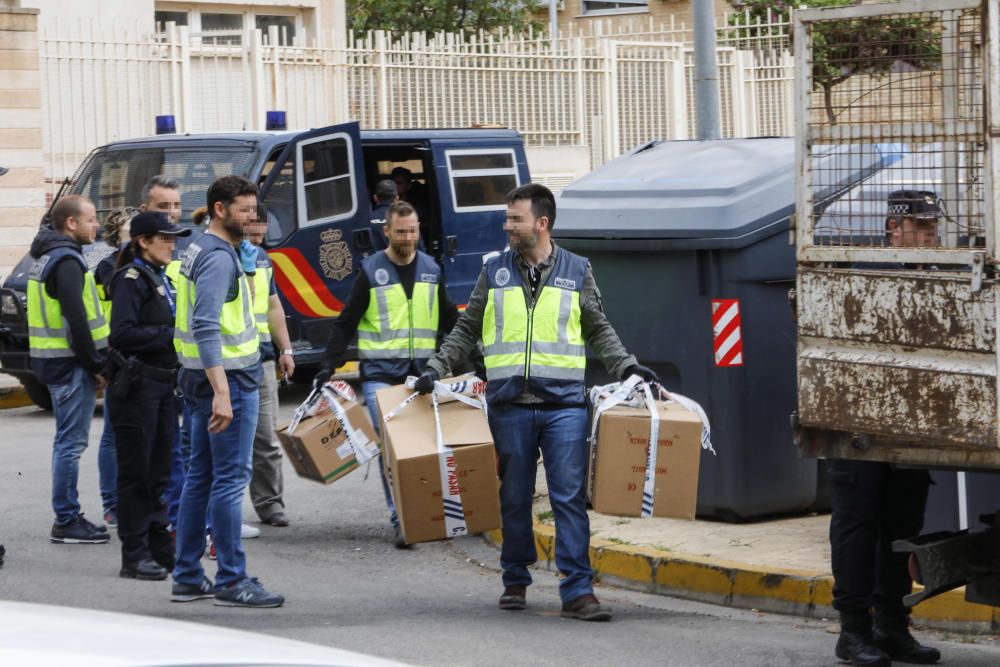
[[897, 330], [316, 198]]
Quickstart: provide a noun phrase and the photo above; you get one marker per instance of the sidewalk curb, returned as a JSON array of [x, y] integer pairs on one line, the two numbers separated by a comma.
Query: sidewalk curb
[[13, 397], [743, 585]]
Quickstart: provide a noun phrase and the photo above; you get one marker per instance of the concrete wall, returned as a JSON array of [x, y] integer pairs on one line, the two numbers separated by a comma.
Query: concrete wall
[[22, 189]]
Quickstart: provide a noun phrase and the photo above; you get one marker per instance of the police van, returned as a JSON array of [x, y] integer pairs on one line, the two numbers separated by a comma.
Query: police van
[[316, 187]]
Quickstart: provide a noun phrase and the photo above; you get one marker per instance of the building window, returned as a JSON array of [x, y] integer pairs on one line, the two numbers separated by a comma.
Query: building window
[[598, 7], [213, 22], [163, 18], [285, 24]]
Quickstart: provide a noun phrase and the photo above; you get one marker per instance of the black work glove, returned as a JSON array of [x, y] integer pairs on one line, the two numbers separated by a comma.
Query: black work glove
[[321, 377], [425, 383], [480, 370], [646, 374]]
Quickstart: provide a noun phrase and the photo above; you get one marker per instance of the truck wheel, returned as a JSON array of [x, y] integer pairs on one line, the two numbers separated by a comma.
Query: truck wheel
[[37, 392]]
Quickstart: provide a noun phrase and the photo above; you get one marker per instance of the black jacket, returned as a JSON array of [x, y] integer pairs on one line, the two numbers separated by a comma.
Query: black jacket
[[142, 323]]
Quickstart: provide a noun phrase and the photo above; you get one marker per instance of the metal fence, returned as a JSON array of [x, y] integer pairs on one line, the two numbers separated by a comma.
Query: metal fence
[[609, 91]]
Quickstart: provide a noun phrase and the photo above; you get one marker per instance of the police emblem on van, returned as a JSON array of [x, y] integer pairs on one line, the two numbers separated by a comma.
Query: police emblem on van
[[502, 276], [381, 276], [334, 256]]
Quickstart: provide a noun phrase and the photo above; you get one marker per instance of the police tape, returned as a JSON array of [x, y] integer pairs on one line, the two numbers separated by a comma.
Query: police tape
[[633, 392], [465, 391], [326, 398]]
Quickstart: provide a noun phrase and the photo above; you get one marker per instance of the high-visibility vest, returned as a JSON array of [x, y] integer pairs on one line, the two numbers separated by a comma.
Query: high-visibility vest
[[539, 348], [48, 331], [395, 331], [261, 295], [240, 339]]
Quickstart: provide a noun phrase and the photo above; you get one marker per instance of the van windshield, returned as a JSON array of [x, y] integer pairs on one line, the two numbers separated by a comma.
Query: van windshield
[[113, 178]]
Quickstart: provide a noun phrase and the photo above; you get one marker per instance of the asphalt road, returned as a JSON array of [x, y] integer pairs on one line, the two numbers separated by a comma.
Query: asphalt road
[[347, 587]]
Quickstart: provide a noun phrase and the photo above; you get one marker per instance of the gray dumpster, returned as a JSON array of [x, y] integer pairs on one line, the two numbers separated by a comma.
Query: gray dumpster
[[669, 229]]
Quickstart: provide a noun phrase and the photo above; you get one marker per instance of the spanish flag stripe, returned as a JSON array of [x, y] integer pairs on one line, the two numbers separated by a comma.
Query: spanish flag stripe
[[299, 283]]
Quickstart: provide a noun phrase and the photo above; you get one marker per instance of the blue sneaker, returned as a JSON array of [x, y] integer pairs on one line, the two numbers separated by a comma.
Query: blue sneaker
[[247, 593], [190, 592]]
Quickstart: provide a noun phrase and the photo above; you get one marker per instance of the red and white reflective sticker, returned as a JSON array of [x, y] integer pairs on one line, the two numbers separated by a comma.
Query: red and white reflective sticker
[[727, 336]]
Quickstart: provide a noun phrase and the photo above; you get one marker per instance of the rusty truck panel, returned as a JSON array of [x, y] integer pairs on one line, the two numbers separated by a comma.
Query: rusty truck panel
[[907, 308]]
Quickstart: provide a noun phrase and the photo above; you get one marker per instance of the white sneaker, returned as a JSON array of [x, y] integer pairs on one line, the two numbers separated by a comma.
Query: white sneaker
[[249, 532]]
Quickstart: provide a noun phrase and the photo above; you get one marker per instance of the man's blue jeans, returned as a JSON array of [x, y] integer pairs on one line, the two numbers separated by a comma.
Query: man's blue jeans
[[218, 474], [520, 432], [73, 404], [369, 389], [107, 463]]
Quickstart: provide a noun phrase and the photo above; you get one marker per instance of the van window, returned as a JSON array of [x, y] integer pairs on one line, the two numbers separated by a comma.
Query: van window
[[480, 179], [114, 177], [326, 191]]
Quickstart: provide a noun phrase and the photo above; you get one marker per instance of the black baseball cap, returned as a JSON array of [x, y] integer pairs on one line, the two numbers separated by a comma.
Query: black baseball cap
[[154, 222], [919, 204]]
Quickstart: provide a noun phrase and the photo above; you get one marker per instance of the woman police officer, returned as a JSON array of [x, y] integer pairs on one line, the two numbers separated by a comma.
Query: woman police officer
[[143, 410]]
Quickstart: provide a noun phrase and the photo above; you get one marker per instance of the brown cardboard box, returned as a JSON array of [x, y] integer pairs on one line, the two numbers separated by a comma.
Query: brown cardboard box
[[620, 461], [318, 448], [413, 464]]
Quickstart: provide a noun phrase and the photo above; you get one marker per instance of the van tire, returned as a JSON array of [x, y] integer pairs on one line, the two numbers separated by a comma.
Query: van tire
[[37, 392]]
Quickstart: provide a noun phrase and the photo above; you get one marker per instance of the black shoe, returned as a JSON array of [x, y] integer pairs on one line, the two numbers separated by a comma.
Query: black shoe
[[189, 592], [78, 531], [398, 540], [2, 553], [514, 598], [586, 608], [858, 648], [900, 645], [145, 570], [278, 520]]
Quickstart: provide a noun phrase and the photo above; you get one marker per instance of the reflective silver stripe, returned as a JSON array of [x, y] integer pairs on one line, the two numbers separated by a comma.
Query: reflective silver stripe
[[565, 306], [265, 336], [422, 353], [231, 364], [498, 317], [396, 335], [99, 319], [384, 354], [101, 343], [40, 289], [566, 349], [502, 372], [37, 332], [504, 348], [261, 318], [38, 353], [554, 373], [382, 303], [227, 339]]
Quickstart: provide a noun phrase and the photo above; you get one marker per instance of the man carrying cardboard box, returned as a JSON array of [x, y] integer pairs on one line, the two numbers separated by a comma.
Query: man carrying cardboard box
[[535, 308], [397, 306]]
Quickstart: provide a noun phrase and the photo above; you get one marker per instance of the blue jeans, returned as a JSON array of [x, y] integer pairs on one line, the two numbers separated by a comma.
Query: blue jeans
[[73, 404], [179, 462], [218, 474], [369, 389], [107, 463], [561, 435]]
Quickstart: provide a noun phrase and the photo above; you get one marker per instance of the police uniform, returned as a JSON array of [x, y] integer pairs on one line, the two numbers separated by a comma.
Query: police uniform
[[875, 503], [143, 407]]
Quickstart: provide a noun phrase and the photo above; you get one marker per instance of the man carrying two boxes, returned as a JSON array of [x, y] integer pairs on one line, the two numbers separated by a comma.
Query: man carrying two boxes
[[535, 308]]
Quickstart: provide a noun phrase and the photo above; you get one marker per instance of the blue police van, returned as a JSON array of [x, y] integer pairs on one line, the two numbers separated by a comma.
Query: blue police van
[[316, 187]]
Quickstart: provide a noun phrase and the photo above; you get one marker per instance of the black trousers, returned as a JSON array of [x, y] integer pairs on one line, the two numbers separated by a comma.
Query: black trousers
[[873, 504], [144, 422]]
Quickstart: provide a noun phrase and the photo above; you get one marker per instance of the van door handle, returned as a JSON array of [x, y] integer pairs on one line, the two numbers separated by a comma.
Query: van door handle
[[451, 245], [363, 239]]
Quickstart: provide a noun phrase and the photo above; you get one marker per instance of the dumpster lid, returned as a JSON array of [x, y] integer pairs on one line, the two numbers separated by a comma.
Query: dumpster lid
[[721, 193]]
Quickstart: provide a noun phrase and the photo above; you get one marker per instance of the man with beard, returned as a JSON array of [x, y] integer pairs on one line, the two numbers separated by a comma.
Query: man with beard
[[535, 308], [219, 350], [68, 348], [392, 344]]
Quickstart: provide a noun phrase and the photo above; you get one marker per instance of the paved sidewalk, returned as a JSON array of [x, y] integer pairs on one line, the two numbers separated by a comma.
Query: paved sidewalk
[[781, 565]]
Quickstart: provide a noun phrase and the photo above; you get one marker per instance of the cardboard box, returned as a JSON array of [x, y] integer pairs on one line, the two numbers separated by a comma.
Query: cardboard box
[[619, 465], [319, 449], [414, 466]]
